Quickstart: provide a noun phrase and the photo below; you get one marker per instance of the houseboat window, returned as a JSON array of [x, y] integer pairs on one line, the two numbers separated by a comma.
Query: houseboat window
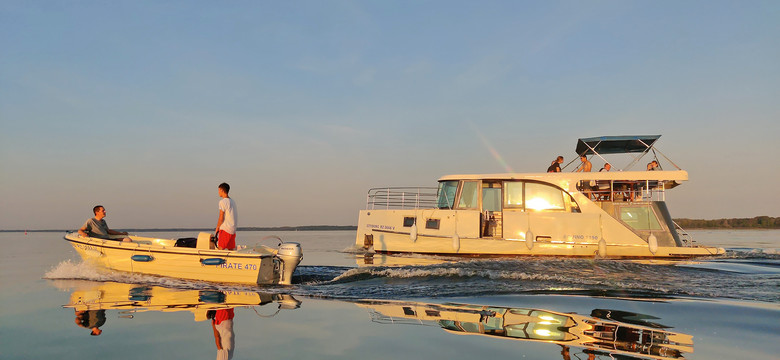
[[491, 197], [447, 194], [432, 224], [513, 194], [469, 195], [575, 208], [640, 218], [408, 221], [543, 197]]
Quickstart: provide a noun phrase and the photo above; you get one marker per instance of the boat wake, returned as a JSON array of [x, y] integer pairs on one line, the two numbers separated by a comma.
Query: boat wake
[[736, 275], [753, 280]]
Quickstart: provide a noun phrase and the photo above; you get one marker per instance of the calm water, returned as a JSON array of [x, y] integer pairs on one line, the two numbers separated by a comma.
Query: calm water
[[348, 304]]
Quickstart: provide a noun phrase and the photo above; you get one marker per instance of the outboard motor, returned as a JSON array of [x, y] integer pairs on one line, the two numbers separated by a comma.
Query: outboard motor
[[291, 255]]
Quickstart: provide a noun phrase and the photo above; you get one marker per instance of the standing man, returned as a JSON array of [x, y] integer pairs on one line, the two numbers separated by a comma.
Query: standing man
[[586, 165], [228, 216], [96, 227]]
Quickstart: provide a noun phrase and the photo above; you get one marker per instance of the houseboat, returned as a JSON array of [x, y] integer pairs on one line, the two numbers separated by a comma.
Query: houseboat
[[608, 214]]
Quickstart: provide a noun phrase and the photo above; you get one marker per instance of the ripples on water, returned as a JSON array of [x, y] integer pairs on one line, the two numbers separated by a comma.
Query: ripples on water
[[742, 275]]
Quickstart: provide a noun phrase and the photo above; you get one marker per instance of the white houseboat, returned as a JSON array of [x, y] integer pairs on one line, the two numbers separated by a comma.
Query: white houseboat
[[614, 214]]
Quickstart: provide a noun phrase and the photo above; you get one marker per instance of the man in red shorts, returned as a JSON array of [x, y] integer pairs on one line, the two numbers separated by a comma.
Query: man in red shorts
[[228, 216]]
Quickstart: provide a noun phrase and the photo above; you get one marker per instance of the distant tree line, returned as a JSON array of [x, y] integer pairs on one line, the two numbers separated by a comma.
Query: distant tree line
[[758, 222]]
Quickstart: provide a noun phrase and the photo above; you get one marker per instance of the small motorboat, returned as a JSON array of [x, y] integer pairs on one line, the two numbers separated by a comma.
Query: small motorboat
[[193, 258]]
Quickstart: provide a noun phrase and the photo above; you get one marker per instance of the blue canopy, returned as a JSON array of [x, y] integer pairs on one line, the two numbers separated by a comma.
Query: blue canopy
[[615, 144]]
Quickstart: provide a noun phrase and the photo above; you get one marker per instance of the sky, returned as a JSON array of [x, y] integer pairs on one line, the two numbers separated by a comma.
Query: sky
[[302, 106]]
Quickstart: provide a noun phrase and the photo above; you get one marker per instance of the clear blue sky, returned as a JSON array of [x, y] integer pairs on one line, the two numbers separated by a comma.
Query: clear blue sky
[[146, 106]]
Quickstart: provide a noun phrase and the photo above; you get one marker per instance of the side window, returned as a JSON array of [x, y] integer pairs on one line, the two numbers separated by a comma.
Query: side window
[[543, 197], [446, 194], [469, 195], [640, 218], [513, 194]]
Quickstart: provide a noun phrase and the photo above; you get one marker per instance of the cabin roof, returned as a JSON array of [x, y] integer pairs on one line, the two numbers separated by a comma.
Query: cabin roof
[[615, 144], [673, 175]]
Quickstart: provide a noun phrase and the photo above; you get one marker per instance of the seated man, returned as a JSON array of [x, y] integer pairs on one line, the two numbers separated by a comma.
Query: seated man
[[96, 227]]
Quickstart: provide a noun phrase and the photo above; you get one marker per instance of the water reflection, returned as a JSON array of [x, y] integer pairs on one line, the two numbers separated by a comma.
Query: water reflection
[[601, 334], [92, 320], [90, 300], [605, 333]]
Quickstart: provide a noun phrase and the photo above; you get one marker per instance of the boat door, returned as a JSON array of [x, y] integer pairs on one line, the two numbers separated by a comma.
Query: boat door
[[491, 221]]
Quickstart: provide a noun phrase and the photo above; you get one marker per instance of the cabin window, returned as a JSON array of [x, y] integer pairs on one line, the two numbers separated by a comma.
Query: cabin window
[[408, 221], [433, 313], [491, 197], [543, 197], [446, 194], [513, 194], [640, 218], [432, 224], [469, 195]]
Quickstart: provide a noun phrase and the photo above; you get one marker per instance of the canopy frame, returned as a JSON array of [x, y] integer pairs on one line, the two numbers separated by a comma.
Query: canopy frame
[[620, 145]]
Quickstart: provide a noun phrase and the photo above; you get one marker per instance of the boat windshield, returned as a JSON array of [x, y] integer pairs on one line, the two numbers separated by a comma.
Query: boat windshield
[[446, 194]]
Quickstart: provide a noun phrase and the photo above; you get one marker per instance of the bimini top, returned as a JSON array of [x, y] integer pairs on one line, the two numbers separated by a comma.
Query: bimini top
[[615, 144]]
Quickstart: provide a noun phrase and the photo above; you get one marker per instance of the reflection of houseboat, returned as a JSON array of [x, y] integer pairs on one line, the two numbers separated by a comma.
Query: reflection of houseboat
[[616, 214], [601, 333], [193, 258], [131, 298]]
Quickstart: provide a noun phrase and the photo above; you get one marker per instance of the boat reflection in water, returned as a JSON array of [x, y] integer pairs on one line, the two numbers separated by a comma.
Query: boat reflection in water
[[90, 300], [605, 333]]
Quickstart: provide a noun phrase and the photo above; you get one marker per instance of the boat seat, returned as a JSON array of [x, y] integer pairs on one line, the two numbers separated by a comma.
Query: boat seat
[[189, 242], [204, 241]]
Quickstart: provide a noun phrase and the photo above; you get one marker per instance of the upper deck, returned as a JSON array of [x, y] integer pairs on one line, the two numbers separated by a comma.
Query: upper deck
[[676, 176]]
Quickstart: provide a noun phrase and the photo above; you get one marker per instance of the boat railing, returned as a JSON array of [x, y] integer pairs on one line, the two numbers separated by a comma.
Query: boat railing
[[380, 318], [685, 237], [617, 190], [401, 198]]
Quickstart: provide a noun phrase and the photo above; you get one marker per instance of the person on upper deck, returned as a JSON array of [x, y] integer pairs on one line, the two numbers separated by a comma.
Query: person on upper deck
[[96, 227], [606, 168], [556, 165], [652, 166], [586, 165], [228, 218]]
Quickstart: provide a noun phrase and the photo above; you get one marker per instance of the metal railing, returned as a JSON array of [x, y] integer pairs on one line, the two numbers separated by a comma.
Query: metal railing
[[616, 190], [686, 238], [401, 198]]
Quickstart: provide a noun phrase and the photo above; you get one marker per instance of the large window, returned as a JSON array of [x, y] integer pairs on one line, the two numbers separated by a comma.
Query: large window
[[446, 192], [543, 197], [640, 218], [513, 194], [469, 195], [491, 197]]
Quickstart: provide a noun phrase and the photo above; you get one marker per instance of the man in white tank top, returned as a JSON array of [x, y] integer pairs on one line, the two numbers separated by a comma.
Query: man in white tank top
[[228, 219]]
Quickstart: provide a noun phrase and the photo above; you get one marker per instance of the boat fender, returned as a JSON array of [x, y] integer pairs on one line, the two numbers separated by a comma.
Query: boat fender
[[602, 248], [529, 239], [455, 242], [142, 258], [652, 243], [413, 233], [213, 261]]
